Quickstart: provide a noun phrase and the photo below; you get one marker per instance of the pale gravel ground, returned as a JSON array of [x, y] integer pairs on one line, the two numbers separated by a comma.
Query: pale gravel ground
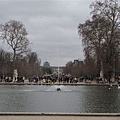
[[56, 118]]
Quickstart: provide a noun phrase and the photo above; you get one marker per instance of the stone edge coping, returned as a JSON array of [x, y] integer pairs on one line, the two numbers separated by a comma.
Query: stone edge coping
[[58, 114], [71, 84]]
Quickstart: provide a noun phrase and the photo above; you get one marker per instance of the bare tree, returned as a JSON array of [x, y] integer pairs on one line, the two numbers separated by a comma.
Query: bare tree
[[110, 10], [68, 68], [93, 32], [5, 63], [15, 34], [101, 34], [34, 63]]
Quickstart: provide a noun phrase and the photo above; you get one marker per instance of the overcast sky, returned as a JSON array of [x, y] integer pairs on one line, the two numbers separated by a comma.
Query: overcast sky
[[51, 25]]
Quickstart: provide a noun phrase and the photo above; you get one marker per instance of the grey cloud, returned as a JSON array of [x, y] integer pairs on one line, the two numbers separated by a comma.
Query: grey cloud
[[51, 25]]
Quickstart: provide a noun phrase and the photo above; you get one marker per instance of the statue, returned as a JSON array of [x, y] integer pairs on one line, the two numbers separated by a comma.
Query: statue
[[15, 75]]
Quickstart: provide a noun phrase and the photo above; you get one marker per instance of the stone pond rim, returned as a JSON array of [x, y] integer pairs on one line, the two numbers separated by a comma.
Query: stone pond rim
[[58, 114]]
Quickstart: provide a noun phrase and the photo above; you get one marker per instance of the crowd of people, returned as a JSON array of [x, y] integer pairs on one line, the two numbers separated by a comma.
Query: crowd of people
[[59, 79], [71, 79], [8, 79]]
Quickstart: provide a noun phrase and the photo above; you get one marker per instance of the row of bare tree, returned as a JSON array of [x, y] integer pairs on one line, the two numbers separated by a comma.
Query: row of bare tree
[[101, 40], [27, 65], [89, 68]]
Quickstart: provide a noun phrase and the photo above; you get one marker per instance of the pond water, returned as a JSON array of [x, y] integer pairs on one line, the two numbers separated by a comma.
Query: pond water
[[70, 99]]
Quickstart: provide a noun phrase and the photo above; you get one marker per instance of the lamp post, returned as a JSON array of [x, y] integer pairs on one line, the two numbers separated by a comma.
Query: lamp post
[[58, 61]]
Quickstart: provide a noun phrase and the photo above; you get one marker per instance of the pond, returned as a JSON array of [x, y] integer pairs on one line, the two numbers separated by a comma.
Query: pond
[[69, 99]]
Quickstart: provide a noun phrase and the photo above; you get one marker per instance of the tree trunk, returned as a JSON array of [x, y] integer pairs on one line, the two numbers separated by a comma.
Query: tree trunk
[[14, 59]]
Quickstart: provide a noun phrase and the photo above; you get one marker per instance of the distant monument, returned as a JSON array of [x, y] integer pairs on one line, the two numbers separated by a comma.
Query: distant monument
[[46, 65]]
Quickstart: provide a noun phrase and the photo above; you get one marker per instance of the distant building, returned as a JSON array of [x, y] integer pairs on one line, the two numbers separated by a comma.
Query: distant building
[[77, 62], [55, 70], [46, 65]]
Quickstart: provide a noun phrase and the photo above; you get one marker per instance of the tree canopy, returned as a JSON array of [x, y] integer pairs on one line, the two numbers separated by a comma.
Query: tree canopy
[[15, 34]]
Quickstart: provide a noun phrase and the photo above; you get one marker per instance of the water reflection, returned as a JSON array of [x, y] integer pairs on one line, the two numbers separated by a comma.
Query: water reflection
[[79, 99], [102, 100]]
